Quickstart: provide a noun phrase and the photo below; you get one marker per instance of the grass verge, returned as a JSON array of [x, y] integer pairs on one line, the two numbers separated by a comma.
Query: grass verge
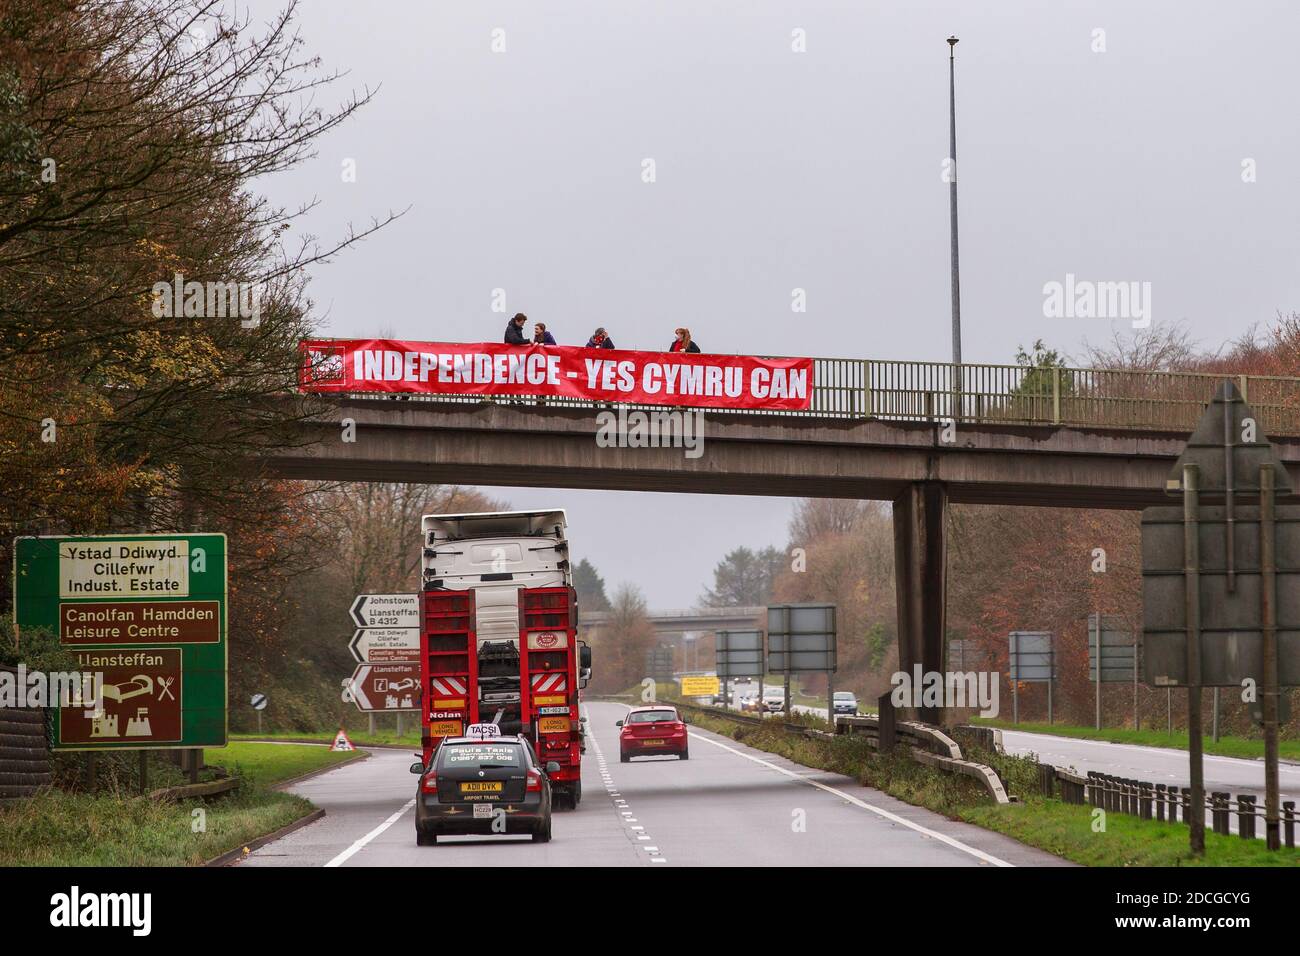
[[1066, 830], [359, 738], [118, 828]]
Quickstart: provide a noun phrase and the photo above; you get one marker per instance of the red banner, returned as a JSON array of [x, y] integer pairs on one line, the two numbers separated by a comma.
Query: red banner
[[555, 371]]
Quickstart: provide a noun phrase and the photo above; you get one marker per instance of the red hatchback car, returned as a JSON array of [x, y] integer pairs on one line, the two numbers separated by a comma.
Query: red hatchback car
[[651, 731]]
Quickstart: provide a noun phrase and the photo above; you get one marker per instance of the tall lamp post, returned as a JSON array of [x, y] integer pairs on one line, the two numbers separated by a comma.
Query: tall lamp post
[[952, 205]]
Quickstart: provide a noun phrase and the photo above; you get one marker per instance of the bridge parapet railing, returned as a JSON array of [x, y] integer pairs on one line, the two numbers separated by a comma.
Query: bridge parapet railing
[[999, 394], [1102, 398]]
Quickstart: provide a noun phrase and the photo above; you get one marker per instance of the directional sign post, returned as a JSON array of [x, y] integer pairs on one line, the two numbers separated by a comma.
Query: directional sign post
[[386, 687], [148, 612], [388, 633], [386, 610], [386, 645]]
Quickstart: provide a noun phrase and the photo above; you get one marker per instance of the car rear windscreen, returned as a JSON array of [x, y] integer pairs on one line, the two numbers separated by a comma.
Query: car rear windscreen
[[650, 716], [455, 756]]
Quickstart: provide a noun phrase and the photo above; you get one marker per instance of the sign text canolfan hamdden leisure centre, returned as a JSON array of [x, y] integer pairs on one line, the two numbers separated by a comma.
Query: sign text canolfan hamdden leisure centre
[[125, 568]]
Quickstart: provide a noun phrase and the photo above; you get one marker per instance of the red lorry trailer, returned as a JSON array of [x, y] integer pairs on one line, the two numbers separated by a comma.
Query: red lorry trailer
[[530, 689]]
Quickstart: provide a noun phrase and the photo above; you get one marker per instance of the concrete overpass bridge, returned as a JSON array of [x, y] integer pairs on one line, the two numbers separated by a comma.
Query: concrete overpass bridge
[[683, 621], [920, 435]]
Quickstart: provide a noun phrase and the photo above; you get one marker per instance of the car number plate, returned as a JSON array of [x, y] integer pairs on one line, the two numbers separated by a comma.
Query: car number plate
[[483, 810], [481, 786], [653, 743]]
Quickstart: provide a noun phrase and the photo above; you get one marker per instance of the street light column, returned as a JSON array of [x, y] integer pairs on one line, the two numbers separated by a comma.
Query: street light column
[[952, 205]]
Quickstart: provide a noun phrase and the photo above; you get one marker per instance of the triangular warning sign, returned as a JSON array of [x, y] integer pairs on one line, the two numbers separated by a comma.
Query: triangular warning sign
[[341, 742], [1229, 431]]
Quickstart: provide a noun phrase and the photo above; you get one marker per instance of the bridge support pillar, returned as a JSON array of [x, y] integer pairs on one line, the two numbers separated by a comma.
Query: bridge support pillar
[[920, 580]]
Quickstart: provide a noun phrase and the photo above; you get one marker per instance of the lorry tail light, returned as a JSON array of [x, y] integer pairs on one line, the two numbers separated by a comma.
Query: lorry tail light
[[534, 781], [429, 784]]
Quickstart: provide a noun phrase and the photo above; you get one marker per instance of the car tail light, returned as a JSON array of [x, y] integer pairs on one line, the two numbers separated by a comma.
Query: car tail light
[[534, 781], [429, 784]]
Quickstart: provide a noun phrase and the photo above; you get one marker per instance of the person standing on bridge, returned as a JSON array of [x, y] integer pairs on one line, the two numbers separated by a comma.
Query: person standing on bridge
[[600, 340], [515, 330], [541, 336], [683, 343]]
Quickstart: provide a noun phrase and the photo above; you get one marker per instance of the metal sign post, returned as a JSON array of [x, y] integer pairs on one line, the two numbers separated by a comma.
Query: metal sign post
[[1210, 580], [1032, 659], [1112, 656]]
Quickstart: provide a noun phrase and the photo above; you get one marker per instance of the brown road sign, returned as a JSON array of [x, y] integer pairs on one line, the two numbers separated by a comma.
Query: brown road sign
[[381, 687], [141, 698]]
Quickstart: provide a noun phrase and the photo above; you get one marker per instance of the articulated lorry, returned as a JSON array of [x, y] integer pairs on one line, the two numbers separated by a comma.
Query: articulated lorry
[[498, 635]]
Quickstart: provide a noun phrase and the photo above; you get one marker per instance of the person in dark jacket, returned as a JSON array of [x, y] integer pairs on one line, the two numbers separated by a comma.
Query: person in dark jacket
[[682, 342], [541, 336], [600, 340], [515, 330]]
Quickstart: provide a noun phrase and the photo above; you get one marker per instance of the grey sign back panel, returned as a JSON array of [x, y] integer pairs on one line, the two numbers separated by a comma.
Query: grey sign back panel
[[740, 653], [1030, 656], [965, 655], [1231, 635], [1118, 650], [800, 637]]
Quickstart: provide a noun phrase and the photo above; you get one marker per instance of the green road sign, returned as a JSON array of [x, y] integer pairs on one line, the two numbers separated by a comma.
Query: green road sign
[[148, 612]]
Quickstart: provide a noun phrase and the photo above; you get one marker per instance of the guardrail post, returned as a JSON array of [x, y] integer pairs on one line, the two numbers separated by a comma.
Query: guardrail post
[[1187, 805], [1160, 801], [1246, 816], [1144, 805], [1047, 779], [1219, 811], [1056, 396], [887, 734], [1288, 822]]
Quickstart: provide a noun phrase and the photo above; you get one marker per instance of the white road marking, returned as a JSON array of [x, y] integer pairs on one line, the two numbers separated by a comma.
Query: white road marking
[[354, 848], [893, 817]]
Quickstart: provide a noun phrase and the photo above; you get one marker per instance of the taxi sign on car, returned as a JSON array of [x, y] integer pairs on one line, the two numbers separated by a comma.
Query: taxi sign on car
[[483, 730]]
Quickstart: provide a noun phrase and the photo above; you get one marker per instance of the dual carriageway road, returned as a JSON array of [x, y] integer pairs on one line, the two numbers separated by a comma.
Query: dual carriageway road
[[729, 805]]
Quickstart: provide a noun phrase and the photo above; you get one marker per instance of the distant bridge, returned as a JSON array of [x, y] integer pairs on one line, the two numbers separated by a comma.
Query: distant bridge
[[688, 620]]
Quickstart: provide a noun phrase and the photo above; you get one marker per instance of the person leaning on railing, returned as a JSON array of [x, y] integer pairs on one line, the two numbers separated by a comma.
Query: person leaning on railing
[[600, 340], [515, 330], [682, 342]]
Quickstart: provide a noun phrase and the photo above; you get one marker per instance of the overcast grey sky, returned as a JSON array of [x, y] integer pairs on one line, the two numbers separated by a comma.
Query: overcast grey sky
[[777, 170]]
